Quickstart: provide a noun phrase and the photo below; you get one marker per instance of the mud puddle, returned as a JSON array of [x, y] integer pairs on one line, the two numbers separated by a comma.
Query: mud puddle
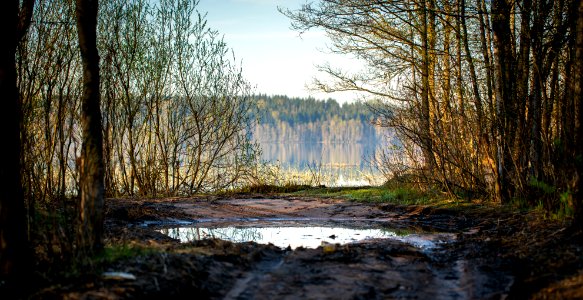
[[284, 235]]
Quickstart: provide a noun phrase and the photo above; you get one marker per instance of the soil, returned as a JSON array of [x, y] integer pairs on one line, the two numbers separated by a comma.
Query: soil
[[495, 254]]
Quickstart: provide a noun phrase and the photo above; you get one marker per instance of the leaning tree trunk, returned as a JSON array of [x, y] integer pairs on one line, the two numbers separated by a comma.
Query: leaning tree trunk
[[15, 255], [90, 227]]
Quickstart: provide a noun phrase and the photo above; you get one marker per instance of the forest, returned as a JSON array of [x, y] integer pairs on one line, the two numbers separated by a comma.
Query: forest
[[484, 95], [116, 98], [305, 120], [272, 109], [141, 99]]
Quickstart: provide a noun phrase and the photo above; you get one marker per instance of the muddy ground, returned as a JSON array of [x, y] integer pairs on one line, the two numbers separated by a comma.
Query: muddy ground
[[493, 254]]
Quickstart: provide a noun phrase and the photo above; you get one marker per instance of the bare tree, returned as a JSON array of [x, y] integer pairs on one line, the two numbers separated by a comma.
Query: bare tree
[[408, 50], [486, 91], [170, 88], [91, 210], [177, 108]]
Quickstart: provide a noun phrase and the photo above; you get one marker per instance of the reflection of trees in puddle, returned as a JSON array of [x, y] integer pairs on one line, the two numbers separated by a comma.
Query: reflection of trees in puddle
[[306, 236], [397, 232], [309, 236], [234, 234]]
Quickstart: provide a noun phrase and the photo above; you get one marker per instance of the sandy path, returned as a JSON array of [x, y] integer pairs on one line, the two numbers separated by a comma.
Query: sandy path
[[284, 207]]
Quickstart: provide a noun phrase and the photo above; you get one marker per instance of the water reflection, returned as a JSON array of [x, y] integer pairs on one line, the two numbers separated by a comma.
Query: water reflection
[[302, 155], [233, 234], [331, 164], [296, 236]]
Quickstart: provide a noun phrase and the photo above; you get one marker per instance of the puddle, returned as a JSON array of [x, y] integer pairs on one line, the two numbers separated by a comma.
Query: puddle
[[305, 236]]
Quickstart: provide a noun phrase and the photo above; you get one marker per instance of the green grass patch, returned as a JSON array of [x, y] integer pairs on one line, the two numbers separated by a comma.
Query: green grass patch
[[115, 253], [402, 195]]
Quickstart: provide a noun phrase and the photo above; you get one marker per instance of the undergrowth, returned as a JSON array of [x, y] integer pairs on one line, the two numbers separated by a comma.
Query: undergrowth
[[113, 253], [271, 188]]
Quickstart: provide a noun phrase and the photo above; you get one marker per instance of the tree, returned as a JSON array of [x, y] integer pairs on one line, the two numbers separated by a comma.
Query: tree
[[175, 106], [504, 88], [577, 85], [14, 249], [486, 92], [91, 206], [407, 47]]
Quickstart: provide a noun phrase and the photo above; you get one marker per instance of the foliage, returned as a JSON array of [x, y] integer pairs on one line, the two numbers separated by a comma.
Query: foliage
[[475, 90], [115, 253], [565, 209], [542, 186], [280, 108], [274, 175], [176, 112], [176, 109]]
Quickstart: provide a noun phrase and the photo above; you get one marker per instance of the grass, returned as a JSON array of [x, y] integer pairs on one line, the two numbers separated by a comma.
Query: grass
[[113, 253], [393, 192], [272, 178], [403, 195]]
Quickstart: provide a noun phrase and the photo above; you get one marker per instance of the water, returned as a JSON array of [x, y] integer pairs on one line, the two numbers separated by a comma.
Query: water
[[341, 181], [335, 164], [303, 236], [304, 155]]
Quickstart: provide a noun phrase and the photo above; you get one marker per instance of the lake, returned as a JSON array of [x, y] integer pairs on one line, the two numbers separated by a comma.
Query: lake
[[342, 164]]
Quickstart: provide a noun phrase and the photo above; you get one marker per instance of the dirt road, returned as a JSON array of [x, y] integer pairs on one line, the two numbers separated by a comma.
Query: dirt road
[[476, 262]]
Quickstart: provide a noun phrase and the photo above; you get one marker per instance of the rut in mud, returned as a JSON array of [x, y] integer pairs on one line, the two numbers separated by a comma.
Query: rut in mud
[[373, 270]]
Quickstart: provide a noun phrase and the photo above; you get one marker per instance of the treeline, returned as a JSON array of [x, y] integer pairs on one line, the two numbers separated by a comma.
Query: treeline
[[485, 95], [306, 120], [278, 108]]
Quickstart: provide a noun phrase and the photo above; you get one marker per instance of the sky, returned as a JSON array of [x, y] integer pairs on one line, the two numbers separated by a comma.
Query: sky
[[275, 59]]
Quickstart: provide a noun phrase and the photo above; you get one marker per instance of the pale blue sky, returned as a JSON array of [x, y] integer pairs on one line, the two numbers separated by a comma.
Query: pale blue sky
[[275, 58]]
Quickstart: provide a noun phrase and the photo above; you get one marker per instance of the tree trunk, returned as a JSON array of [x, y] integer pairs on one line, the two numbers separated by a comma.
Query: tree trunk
[[90, 228], [504, 73], [539, 77], [523, 70], [577, 83], [473, 76], [425, 132], [15, 254]]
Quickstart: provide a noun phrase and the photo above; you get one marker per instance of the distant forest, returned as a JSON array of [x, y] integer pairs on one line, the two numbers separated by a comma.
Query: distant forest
[[282, 119]]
